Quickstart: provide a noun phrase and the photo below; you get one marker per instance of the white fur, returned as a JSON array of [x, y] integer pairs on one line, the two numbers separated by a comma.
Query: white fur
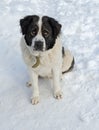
[[50, 66]]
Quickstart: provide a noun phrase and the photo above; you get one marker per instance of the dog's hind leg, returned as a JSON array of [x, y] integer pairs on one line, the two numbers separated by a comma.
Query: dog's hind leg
[[68, 61]]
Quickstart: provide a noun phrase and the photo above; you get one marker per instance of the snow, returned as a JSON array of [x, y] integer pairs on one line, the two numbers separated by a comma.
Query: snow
[[79, 108]]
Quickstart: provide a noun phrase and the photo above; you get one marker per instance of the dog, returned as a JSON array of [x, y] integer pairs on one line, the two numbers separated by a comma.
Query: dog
[[43, 52]]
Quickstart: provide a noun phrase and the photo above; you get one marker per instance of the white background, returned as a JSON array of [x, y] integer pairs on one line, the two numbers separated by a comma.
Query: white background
[[79, 108]]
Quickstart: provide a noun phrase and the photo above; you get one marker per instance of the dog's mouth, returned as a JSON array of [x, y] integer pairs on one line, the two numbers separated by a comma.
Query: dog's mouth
[[38, 50]]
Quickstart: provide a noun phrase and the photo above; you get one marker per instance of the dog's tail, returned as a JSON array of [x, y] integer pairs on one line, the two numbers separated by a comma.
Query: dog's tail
[[68, 61]]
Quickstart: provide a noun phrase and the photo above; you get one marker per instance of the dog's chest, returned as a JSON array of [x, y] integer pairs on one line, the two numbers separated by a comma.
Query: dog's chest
[[45, 67]]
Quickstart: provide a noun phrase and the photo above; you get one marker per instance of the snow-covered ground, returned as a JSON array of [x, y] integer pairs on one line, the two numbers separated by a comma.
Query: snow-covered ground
[[79, 108]]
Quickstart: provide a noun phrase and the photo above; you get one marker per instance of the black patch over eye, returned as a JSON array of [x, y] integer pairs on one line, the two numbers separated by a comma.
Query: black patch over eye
[[33, 32], [45, 33]]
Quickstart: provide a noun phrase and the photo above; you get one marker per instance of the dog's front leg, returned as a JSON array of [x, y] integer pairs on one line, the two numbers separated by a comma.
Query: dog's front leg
[[56, 83], [34, 80]]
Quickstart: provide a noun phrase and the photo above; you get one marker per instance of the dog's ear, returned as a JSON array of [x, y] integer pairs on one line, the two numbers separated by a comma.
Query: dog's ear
[[55, 26], [24, 23]]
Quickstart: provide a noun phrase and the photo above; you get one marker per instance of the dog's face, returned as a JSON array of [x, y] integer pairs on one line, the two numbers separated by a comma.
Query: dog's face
[[40, 33]]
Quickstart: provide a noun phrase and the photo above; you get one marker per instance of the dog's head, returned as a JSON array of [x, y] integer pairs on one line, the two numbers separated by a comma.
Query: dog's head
[[40, 33]]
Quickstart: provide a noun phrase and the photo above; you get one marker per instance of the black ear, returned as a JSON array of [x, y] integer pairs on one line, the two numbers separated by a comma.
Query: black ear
[[24, 23], [55, 26]]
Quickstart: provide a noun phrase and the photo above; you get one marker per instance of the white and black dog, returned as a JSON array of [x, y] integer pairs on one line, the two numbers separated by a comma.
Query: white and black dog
[[43, 52]]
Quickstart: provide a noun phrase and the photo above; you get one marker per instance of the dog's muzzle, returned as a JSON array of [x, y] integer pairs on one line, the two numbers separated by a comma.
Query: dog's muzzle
[[38, 45]]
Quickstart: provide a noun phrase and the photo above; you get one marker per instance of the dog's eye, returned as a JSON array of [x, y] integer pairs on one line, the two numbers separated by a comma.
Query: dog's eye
[[33, 32], [46, 33]]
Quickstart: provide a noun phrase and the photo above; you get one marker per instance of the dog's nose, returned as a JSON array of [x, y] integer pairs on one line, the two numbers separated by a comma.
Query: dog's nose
[[38, 45]]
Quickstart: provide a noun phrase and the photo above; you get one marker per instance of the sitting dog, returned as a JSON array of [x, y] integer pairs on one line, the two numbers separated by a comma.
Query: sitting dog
[[43, 52]]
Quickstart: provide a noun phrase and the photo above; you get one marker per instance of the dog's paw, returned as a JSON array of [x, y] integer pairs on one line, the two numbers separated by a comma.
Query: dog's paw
[[58, 95], [35, 100], [28, 84]]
